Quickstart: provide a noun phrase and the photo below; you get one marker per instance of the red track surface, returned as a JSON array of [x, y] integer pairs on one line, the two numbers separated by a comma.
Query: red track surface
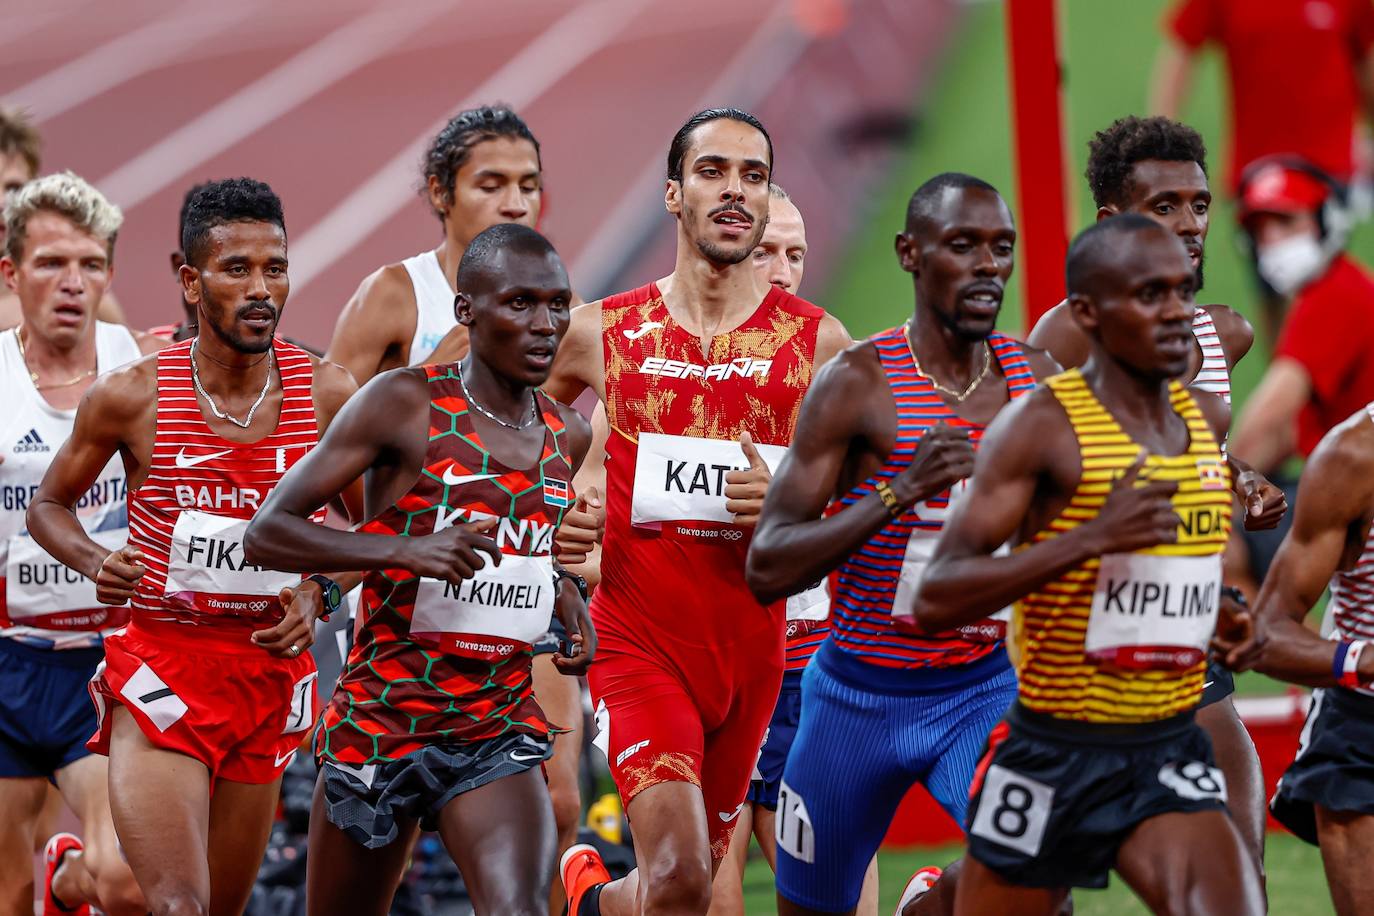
[[612, 82]]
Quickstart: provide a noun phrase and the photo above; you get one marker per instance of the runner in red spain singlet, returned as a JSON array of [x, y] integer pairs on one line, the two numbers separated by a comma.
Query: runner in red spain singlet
[[206, 695], [468, 473], [702, 375]]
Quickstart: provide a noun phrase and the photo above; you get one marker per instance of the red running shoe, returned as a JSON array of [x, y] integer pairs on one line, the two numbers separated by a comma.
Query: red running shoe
[[920, 882], [58, 846], [581, 869]]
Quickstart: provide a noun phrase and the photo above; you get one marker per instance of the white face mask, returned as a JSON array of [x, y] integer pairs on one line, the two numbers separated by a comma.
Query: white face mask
[[1291, 264]]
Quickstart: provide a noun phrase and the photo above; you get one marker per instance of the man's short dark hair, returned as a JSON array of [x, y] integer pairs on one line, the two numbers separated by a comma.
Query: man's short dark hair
[[229, 200], [191, 192], [1099, 245], [18, 137], [677, 150], [921, 208], [482, 250], [452, 146], [1114, 151]]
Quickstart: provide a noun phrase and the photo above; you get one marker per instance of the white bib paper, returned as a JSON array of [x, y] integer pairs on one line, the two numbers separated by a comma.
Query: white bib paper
[[920, 547], [207, 558], [36, 585], [1154, 612], [490, 613], [682, 478], [812, 604]]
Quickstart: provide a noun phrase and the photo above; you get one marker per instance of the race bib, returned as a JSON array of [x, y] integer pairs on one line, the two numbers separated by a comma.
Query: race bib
[[920, 547], [812, 604], [1153, 613], [41, 592], [500, 610], [208, 573], [682, 478]]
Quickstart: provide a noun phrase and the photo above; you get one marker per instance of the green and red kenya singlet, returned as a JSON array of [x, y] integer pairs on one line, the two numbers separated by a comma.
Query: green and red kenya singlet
[[441, 664]]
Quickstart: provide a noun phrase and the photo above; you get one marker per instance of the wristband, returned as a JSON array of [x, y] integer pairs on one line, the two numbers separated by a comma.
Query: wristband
[[1235, 594], [1349, 675], [894, 505]]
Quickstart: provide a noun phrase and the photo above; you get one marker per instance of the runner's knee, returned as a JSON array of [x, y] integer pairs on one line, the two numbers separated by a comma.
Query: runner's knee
[[676, 883], [178, 903]]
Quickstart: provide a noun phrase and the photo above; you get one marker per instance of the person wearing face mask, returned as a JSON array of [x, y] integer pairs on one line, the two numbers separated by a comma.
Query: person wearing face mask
[[1293, 216]]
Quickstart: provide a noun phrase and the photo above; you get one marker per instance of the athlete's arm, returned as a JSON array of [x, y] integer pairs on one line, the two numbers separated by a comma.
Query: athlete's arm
[[373, 333], [1236, 333], [1059, 335], [452, 348], [832, 338], [1266, 432], [331, 387], [569, 604], [794, 546], [1020, 452], [578, 539], [1173, 72], [381, 431], [1329, 527], [107, 411], [580, 362]]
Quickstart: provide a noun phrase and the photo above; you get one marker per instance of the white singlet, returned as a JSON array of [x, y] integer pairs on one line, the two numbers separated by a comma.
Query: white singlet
[[433, 305], [31, 432]]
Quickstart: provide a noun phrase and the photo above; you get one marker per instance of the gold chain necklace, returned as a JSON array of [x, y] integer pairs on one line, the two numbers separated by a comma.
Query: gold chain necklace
[[33, 376], [958, 396]]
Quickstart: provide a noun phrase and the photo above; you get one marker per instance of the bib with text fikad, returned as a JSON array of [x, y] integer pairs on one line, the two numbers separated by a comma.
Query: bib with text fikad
[[1153, 612], [499, 611], [812, 604], [207, 571], [682, 478], [920, 547], [41, 592]]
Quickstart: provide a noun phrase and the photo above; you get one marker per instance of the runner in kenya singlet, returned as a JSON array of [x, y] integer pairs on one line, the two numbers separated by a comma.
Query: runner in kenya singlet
[[672, 562], [443, 664]]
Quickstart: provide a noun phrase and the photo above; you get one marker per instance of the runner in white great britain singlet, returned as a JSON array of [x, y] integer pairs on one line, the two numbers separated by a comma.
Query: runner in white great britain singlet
[[433, 305], [43, 603]]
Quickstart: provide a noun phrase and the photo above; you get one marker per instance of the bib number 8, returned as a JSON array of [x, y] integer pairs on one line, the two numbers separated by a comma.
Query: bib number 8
[[1013, 810]]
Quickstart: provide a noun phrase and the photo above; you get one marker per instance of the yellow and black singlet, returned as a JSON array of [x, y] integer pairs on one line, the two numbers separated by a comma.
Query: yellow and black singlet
[[1123, 638]]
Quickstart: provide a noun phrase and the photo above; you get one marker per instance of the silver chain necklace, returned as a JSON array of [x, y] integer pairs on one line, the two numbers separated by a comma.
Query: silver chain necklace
[[214, 408], [467, 395]]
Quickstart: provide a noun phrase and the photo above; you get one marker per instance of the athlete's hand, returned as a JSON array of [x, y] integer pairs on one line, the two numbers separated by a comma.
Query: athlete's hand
[[119, 575], [744, 490], [295, 632], [453, 554], [1136, 517], [1264, 503], [581, 529], [1240, 638], [943, 457], [577, 655]]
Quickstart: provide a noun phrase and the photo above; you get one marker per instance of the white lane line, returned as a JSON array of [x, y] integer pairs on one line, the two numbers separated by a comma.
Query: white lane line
[[759, 64], [119, 60], [312, 70], [576, 37]]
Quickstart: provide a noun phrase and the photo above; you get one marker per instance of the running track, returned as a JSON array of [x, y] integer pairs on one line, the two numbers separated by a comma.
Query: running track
[[332, 103]]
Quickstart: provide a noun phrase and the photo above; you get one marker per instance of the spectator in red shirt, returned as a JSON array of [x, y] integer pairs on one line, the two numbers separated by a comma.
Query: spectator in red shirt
[[1300, 70], [1322, 371]]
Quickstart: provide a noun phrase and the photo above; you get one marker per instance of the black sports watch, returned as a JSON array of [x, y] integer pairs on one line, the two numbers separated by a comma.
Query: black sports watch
[[330, 591], [560, 574]]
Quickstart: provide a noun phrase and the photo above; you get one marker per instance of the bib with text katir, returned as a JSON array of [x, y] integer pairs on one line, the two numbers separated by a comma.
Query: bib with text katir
[[682, 478], [208, 573], [500, 610], [1153, 612]]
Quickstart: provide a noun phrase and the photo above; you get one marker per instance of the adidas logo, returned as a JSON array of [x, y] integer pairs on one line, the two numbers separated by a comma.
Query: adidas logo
[[31, 443]]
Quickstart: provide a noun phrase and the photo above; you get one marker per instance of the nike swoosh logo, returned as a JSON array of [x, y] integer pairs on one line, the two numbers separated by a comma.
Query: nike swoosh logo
[[454, 480], [280, 760], [183, 461], [643, 329], [520, 757], [1208, 684], [727, 816]]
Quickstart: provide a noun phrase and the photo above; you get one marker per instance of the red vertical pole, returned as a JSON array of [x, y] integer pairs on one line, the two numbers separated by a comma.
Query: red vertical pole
[[1037, 125]]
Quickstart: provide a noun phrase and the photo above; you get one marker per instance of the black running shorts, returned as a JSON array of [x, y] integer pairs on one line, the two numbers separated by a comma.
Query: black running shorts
[[1334, 767]]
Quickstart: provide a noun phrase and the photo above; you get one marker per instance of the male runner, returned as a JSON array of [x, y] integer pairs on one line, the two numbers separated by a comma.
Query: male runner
[[694, 370], [1117, 581], [435, 719], [61, 235], [20, 160], [185, 328], [888, 432], [205, 696], [781, 257], [1327, 794], [1158, 168]]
